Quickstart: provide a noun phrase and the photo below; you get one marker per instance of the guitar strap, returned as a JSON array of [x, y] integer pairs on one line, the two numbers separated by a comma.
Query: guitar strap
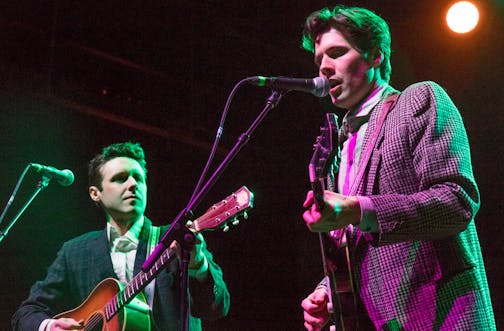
[[340, 236], [151, 244], [388, 104]]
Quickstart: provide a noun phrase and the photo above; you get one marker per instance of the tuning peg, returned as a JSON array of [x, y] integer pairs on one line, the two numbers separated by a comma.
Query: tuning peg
[[225, 228], [245, 215], [236, 221]]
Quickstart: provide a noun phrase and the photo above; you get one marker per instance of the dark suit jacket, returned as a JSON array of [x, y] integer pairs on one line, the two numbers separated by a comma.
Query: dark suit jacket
[[423, 270], [85, 261]]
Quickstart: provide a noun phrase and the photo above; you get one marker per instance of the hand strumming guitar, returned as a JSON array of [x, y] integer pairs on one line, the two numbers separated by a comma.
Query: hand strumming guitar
[[64, 324], [315, 310]]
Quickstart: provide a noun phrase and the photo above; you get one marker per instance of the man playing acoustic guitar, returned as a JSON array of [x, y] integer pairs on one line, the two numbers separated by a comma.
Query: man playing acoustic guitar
[[117, 179], [404, 200]]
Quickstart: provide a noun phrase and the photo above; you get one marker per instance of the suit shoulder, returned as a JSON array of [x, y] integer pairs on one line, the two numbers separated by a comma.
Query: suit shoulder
[[425, 90], [424, 87], [83, 238], [425, 95]]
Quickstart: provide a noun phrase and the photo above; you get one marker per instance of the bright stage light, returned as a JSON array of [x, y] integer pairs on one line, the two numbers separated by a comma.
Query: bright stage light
[[462, 17]]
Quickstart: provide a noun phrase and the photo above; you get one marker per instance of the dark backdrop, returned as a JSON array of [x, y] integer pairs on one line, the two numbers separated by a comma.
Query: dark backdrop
[[78, 75]]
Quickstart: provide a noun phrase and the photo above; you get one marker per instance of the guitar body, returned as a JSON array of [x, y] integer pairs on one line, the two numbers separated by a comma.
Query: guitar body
[[337, 259], [135, 316]]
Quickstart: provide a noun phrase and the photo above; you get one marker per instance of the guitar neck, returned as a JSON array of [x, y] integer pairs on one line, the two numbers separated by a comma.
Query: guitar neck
[[318, 187], [216, 216], [137, 284], [325, 158]]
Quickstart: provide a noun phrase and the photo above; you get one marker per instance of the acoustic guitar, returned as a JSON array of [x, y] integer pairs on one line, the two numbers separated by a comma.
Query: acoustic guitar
[[114, 306]]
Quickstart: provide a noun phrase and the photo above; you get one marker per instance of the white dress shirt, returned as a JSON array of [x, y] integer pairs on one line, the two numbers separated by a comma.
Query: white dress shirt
[[350, 157], [123, 249]]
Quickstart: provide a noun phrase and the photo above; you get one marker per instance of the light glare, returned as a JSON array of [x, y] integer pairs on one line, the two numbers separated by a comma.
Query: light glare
[[462, 17]]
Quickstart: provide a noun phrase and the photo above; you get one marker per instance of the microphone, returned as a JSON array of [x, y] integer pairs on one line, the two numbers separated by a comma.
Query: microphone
[[63, 177], [317, 86]]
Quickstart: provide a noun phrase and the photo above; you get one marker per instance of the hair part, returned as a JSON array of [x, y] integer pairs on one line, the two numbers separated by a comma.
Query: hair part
[[367, 32], [128, 149]]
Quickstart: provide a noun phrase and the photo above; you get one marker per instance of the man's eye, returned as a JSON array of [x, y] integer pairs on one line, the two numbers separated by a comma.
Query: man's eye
[[119, 179], [336, 53]]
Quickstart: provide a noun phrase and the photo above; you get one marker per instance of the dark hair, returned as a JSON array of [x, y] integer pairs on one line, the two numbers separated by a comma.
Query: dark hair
[[365, 30], [125, 149]]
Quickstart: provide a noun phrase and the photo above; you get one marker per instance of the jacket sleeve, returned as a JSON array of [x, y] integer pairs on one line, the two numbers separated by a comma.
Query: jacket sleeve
[[210, 297], [425, 185], [45, 298]]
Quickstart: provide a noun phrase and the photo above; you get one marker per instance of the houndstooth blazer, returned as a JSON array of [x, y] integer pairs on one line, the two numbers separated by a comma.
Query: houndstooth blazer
[[423, 270]]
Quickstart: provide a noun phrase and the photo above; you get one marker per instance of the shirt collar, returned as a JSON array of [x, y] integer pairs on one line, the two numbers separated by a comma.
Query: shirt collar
[[133, 233], [371, 100]]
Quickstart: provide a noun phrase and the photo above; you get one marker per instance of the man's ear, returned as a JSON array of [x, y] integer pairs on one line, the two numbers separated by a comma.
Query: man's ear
[[377, 59], [94, 193]]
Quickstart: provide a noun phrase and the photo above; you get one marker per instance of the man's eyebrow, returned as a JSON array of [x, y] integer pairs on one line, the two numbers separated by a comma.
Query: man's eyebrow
[[119, 173]]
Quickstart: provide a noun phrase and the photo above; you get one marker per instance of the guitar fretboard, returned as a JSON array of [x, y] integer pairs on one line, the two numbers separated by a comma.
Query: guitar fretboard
[[137, 284]]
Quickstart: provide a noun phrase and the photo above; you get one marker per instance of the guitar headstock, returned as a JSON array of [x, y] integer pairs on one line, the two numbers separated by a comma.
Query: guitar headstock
[[325, 150], [228, 209]]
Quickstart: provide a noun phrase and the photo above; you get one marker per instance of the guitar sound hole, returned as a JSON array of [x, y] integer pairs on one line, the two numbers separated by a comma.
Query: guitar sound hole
[[94, 323]]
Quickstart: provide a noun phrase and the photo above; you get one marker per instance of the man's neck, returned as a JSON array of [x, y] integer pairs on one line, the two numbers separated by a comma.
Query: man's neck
[[375, 88], [123, 225]]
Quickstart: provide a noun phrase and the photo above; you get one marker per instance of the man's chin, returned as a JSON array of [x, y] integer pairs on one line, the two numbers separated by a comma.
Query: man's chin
[[342, 102], [339, 103], [135, 212]]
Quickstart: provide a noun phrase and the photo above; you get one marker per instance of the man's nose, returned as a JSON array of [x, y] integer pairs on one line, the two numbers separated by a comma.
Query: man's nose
[[132, 182], [326, 67]]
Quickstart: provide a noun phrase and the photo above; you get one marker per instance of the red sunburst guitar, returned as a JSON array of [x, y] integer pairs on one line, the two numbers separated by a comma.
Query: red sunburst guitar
[[113, 306]]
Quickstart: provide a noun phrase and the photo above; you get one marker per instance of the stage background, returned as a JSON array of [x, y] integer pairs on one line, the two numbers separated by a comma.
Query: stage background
[[78, 75]]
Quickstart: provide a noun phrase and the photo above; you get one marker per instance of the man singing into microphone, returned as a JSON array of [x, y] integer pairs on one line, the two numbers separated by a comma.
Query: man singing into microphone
[[404, 197], [117, 179]]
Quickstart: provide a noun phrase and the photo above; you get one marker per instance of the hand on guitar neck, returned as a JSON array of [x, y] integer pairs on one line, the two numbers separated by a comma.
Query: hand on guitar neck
[[338, 211], [327, 210], [198, 265]]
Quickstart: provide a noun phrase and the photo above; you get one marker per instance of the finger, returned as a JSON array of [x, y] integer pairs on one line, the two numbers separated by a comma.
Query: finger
[[199, 238], [313, 305], [307, 304], [308, 218], [309, 327], [312, 324], [311, 223], [174, 246], [308, 200], [314, 214], [319, 295], [312, 219], [67, 324]]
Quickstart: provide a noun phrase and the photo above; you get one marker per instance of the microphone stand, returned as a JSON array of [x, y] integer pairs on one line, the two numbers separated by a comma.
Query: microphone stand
[[42, 184], [271, 102]]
